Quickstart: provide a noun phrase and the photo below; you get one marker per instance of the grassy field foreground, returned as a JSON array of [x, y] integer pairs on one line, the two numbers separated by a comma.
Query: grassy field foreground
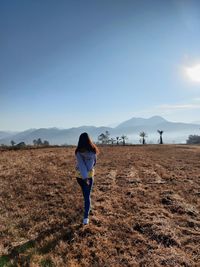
[[146, 203]]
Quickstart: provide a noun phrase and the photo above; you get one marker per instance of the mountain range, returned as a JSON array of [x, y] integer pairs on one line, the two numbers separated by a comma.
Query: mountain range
[[174, 132]]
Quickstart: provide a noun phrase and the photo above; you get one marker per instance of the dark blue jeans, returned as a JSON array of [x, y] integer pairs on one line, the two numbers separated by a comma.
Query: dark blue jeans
[[86, 190]]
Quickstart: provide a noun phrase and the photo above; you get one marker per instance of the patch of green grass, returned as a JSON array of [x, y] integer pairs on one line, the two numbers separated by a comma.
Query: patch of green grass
[[5, 262], [46, 263], [26, 246]]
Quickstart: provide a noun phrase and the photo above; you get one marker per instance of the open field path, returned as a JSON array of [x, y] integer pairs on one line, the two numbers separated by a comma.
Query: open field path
[[145, 208]]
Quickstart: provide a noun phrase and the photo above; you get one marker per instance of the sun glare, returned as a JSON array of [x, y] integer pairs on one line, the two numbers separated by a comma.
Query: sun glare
[[193, 73]]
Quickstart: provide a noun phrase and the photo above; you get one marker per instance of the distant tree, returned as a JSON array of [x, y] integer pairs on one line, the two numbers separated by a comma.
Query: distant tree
[[35, 142], [143, 135], [46, 143], [104, 137], [21, 145], [39, 142], [12, 143], [112, 141], [124, 138], [118, 139], [161, 133], [107, 135], [193, 139]]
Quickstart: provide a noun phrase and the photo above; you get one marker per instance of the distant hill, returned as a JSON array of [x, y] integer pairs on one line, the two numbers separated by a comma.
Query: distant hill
[[196, 122], [155, 120], [155, 123], [174, 132], [6, 134], [54, 135]]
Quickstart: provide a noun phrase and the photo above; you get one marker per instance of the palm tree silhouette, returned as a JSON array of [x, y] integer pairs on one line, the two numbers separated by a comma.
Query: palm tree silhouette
[[118, 139], [160, 132], [124, 138], [12, 143], [112, 140], [143, 135]]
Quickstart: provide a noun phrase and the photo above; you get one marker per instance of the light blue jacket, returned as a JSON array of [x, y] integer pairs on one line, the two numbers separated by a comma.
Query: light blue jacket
[[85, 163]]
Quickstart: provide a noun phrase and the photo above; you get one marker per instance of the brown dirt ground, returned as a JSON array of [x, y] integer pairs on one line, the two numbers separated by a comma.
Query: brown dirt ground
[[146, 205]]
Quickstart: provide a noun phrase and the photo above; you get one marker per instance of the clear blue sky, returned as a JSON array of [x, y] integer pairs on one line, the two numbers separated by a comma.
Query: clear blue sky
[[98, 62]]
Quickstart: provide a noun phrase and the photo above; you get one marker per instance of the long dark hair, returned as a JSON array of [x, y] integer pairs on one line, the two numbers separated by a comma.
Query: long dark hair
[[86, 144]]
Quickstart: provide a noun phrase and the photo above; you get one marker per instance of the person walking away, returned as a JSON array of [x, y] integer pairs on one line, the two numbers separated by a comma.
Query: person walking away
[[86, 156]]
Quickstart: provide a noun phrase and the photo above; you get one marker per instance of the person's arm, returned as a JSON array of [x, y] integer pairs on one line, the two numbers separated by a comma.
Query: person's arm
[[82, 166], [91, 161]]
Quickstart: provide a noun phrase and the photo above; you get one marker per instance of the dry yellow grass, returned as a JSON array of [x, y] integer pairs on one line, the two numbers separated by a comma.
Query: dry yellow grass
[[145, 208]]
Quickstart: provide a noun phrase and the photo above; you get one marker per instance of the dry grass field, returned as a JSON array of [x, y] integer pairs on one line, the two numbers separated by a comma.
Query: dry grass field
[[146, 208]]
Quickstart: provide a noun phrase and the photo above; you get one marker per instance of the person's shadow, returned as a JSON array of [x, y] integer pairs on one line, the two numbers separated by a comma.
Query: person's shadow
[[20, 253]]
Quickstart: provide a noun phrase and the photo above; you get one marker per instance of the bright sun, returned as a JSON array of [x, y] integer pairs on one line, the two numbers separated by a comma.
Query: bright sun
[[193, 73]]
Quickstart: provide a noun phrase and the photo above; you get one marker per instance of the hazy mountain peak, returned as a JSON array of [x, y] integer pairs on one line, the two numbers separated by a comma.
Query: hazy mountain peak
[[142, 121], [4, 134], [157, 119], [174, 132]]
